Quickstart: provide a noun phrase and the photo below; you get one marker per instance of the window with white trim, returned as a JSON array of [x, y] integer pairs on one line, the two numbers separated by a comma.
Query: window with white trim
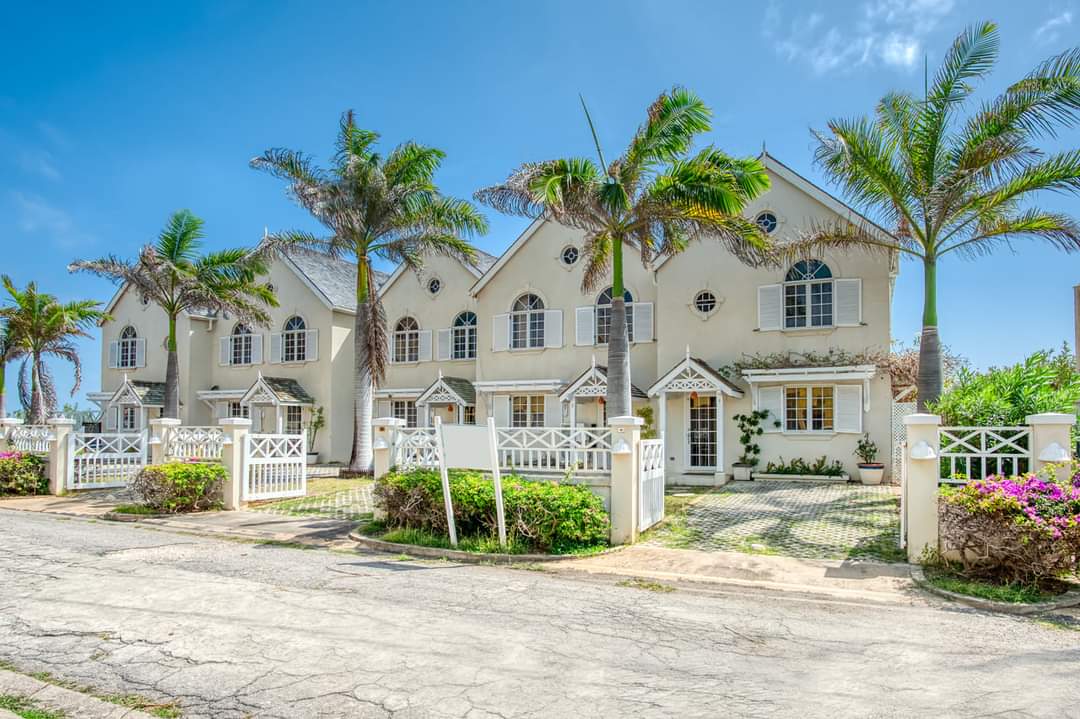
[[468, 414], [809, 408], [569, 255], [241, 344], [527, 322], [404, 409], [407, 340], [129, 418], [294, 419], [808, 295], [464, 336], [237, 409], [294, 340], [767, 222], [126, 348], [527, 410], [603, 316], [705, 302]]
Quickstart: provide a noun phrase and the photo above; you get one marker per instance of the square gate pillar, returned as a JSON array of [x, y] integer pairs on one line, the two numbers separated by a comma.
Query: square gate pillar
[[625, 482], [160, 431], [920, 500], [1050, 441], [232, 456], [59, 449], [7, 426]]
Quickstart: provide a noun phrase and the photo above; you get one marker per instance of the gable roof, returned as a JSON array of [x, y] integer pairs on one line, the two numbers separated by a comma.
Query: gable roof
[[483, 263], [282, 390], [504, 258], [595, 377], [459, 387], [693, 371], [146, 394], [332, 279]]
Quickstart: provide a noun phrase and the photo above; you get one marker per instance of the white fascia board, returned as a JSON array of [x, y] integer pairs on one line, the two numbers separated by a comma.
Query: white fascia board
[[519, 385], [810, 374], [215, 394], [408, 393]]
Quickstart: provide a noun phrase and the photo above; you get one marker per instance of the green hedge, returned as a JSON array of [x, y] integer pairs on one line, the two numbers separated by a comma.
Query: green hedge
[[181, 486], [22, 473], [545, 516]]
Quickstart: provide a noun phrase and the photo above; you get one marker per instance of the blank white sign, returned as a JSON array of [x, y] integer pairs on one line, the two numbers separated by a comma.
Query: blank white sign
[[467, 446]]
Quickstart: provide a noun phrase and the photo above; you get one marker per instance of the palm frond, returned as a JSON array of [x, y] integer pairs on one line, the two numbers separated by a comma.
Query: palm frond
[[675, 118], [1058, 230]]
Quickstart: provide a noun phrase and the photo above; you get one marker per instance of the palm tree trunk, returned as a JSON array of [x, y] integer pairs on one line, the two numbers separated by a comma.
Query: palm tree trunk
[[930, 374], [172, 375], [3, 393], [618, 372], [37, 394], [361, 458]]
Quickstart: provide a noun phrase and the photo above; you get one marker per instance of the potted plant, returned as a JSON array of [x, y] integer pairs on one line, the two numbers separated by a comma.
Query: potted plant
[[749, 430], [870, 471], [317, 422]]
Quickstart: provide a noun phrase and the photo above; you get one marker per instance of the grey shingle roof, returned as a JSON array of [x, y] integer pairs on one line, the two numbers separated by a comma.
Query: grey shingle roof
[[288, 390], [717, 375], [334, 278], [462, 387], [635, 392], [484, 261], [151, 394]]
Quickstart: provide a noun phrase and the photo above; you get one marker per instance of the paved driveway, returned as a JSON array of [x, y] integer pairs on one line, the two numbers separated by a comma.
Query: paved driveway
[[797, 519]]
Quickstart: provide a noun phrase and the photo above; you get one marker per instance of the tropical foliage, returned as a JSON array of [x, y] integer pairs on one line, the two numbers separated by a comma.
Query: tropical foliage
[[948, 185], [374, 207], [656, 197], [180, 486], [22, 473], [822, 467], [39, 327], [173, 274]]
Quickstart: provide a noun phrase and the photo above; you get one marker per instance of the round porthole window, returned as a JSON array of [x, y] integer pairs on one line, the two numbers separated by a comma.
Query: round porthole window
[[767, 222], [434, 285], [569, 255], [705, 302]]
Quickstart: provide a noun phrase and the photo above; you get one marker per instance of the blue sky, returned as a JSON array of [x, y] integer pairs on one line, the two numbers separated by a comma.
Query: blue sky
[[112, 117]]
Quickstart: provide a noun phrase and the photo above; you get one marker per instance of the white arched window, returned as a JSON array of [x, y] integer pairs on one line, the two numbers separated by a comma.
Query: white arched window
[[808, 295], [294, 340], [406, 340], [527, 322], [127, 348], [241, 344], [603, 316], [464, 332]]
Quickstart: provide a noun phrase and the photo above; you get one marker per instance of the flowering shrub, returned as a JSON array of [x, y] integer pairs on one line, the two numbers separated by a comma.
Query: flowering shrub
[[22, 473], [545, 516], [1023, 529], [188, 486]]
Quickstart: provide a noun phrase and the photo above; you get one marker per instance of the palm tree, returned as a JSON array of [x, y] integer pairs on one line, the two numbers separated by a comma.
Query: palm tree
[[953, 186], [655, 197], [5, 357], [39, 326], [172, 274], [374, 207]]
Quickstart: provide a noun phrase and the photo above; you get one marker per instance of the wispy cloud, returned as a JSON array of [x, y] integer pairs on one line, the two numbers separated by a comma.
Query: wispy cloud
[[883, 32], [39, 162], [37, 217], [1051, 30]]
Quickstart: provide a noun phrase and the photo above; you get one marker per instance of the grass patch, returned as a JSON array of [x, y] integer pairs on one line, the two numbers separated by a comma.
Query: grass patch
[[134, 509], [646, 585], [1009, 593], [27, 709], [170, 710], [674, 531], [165, 710], [754, 544], [476, 544]]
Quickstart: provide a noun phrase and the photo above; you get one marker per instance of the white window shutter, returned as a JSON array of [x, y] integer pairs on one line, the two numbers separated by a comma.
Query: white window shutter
[[383, 408], [585, 326], [444, 343], [500, 334], [114, 354], [770, 307], [276, 349], [771, 400], [849, 410], [425, 346], [848, 302], [553, 328], [224, 350], [643, 321], [221, 410], [501, 403], [112, 418], [552, 411], [311, 345], [140, 352], [256, 349], [390, 348]]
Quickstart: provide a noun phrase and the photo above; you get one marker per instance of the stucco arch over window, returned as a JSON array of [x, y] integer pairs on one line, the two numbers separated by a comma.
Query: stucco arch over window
[[603, 316], [294, 339], [808, 295], [464, 336], [406, 340], [527, 322], [241, 344]]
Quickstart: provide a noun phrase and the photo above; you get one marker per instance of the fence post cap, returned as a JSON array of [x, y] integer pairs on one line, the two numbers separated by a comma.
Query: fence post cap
[[387, 422], [166, 421], [10, 421], [1051, 418], [60, 421], [922, 419], [235, 422], [630, 421]]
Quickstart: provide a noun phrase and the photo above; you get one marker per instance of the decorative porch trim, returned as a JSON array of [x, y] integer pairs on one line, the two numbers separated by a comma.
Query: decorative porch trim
[[694, 375], [447, 390], [140, 394], [593, 383], [278, 392]]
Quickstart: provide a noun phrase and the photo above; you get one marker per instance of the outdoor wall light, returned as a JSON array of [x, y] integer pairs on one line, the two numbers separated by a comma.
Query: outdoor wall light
[[1054, 452], [621, 447], [923, 450], [379, 443]]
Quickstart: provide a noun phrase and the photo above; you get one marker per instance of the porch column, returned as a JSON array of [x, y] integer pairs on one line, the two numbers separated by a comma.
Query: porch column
[[573, 412], [719, 470], [278, 421], [661, 422]]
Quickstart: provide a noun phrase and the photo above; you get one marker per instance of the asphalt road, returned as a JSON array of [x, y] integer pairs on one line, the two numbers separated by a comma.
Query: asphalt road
[[234, 630]]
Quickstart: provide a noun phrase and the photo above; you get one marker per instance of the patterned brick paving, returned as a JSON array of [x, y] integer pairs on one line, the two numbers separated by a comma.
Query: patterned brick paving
[[798, 519], [352, 504]]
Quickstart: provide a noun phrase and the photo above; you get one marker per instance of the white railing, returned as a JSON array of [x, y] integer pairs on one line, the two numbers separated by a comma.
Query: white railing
[[651, 476], [100, 461], [416, 447], [195, 443], [275, 465], [31, 437], [555, 449], [975, 452]]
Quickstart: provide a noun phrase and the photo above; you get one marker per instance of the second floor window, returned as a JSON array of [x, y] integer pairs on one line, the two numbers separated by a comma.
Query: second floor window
[[406, 340], [126, 348], [527, 322], [603, 316], [464, 336], [241, 344], [294, 340], [808, 295]]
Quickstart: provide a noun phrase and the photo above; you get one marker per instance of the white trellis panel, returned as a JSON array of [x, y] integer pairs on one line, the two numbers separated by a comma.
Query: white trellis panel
[[32, 438], [104, 460], [976, 452], [651, 474], [555, 449], [416, 447], [275, 465], [899, 432], [195, 443]]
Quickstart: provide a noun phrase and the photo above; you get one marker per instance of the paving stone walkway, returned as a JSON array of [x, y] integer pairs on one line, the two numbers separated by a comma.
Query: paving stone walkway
[[796, 519], [352, 504]]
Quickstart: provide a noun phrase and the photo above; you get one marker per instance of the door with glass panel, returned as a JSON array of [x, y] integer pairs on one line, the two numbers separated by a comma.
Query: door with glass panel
[[701, 436]]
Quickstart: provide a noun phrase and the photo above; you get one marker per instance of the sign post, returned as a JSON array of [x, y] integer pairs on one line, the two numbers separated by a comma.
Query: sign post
[[497, 478], [445, 482]]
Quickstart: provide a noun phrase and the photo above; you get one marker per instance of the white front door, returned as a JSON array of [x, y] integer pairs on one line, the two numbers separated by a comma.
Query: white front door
[[701, 435]]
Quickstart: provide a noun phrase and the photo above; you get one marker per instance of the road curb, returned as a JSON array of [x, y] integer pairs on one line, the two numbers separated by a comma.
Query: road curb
[[1071, 598], [457, 555], [72, 703]]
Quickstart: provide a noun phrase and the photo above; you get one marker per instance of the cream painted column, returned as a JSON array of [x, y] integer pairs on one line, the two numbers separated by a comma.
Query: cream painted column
[[661, 420], [59, 449], [718, 471], [1050, 440], [921, 483], [7, 426], [160, 431], [236, 430], [384, 438], [625, 487]]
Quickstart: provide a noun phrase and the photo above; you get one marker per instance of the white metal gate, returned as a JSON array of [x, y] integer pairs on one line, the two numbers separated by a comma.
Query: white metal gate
[[103, 460], [651, 477], [275, 465]]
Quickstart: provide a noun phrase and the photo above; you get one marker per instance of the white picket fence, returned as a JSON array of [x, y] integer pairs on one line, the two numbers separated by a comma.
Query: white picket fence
[[555, 449], [416, 447], [275, 465], [104, 460], [651, 477], [975, 452], [195, 443], [34, 438]]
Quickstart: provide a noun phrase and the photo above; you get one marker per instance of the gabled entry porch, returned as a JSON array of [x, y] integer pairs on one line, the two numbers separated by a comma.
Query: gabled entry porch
[[583, 400], [452, 399]]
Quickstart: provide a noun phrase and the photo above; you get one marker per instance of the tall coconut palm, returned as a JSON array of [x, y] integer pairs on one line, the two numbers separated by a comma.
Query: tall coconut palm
[[954, 186], [39, 326], [5, 357], [374, 207], [655, 197], [173, 274]]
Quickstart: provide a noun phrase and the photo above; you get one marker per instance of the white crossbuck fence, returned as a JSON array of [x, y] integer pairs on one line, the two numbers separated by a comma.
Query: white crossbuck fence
[[34, 438], [975, 452], [275, 465], [651, 476], [555, 449], [103, 460], [416, 447], [195, 443]]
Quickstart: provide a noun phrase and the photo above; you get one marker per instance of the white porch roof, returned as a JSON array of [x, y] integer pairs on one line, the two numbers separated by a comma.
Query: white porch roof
[[593, 383], [448, 390], [520, 385], [691, 374], [851, 373]]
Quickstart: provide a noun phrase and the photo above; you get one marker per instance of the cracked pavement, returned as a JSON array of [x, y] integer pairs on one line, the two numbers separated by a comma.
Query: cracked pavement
[[234, 629]]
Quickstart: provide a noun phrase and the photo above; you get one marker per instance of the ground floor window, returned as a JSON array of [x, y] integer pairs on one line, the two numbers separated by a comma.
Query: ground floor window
[[404, 409], [236, 409], [808, 409], [468, 414], [129, 418], [527, 410], [294, 419]]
